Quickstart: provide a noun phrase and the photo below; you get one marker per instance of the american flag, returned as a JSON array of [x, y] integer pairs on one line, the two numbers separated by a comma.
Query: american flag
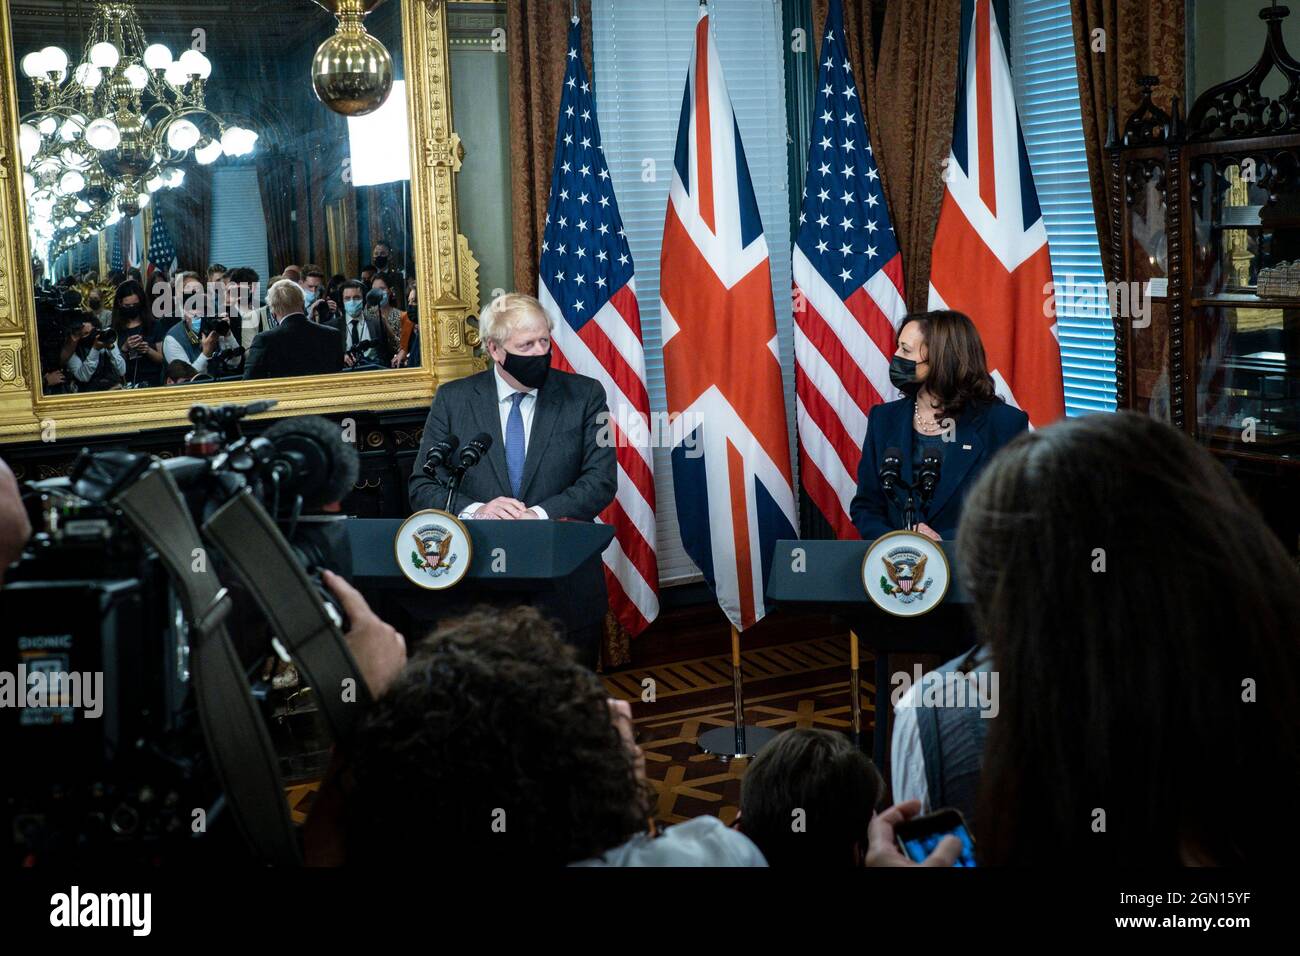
[[588, 286], [848, 278], [990, 257], [731, 454], [162, 252]]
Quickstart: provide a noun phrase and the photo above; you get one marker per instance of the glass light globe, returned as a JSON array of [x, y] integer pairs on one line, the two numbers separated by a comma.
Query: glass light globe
[[174, 177], [48, 125], [34, 64], [196, 64], [56, 61], [29, 141], [82, 206], [209, 153], [68, 222], [72, 182], [154, 184], [137, 76], [237, 141], [103, 134], [176, 75], [29, 183], [114, 219], [104, 55], [88, 76], [70, 130], [157, 57], [182, 135], [143, 199]]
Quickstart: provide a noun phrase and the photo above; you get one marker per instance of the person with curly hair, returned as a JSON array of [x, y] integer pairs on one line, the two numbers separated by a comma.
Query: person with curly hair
[[494, 746]]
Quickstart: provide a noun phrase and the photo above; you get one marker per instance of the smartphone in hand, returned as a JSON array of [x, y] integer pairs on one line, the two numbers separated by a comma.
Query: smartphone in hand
[[919, 836]]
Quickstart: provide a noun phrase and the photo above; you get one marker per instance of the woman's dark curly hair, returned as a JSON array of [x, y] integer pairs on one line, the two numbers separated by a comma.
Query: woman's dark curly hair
[[494, 746], [959, 374]]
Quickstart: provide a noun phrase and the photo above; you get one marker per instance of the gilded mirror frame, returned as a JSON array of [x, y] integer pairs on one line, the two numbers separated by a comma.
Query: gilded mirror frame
[[446, 272]]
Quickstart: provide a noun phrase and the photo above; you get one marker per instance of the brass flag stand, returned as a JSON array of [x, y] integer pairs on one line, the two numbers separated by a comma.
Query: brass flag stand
[[728, 743]]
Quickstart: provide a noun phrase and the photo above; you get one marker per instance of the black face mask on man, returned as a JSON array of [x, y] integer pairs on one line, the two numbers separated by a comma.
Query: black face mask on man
[[529, 370], [902, 373]]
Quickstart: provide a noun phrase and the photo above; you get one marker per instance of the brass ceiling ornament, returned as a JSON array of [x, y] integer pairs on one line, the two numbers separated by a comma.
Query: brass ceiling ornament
[[352, 72]]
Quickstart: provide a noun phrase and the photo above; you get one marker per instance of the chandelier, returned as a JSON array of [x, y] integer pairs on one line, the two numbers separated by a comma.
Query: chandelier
[[106, 134]]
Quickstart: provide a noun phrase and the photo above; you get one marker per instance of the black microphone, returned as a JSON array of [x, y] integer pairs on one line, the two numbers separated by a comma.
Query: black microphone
[[891, 469], [311, 459], [439, 455], [931, 466], [475, 449]]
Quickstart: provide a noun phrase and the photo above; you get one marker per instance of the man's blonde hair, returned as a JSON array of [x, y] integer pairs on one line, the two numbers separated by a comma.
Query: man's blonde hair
[[508, 313], [285, 298]]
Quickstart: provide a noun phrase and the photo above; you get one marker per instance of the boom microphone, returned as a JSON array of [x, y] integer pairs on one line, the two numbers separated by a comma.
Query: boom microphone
[[311, 459]]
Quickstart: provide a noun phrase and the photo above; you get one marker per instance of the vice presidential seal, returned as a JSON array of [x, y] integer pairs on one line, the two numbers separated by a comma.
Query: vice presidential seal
[[433, 549], [905, 573]]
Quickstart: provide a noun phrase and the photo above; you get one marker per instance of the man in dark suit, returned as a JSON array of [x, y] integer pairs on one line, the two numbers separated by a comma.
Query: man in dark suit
[[293, 346], [545, 461], [358, 327]]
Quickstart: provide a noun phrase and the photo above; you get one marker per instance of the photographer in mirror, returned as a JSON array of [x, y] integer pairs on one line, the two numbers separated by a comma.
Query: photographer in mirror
[[198, 336]]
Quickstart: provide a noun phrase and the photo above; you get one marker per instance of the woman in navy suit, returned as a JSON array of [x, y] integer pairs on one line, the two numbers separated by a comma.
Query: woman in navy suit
[[948, 405]]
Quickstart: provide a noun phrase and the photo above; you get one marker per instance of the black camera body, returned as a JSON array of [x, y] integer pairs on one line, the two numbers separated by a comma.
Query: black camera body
[[117, 769]]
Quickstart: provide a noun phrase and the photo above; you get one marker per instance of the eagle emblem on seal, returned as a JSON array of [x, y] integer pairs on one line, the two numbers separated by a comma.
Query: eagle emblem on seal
[[432, 552], [904, 577]]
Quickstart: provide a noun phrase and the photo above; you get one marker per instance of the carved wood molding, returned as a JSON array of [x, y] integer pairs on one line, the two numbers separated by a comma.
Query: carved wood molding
[[446, 350]]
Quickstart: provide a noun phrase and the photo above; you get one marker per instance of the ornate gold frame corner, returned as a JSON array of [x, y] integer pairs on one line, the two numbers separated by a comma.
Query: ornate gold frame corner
[[445, 270]]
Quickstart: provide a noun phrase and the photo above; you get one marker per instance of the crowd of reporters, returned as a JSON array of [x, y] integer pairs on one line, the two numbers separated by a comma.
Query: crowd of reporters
[[1141, 616], [223, 324]]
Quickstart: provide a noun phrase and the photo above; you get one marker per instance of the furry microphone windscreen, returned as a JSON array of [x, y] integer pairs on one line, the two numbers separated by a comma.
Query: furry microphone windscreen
[[325, 467]]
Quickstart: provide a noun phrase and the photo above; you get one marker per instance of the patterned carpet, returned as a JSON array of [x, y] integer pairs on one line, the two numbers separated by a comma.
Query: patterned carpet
[[801, 684]]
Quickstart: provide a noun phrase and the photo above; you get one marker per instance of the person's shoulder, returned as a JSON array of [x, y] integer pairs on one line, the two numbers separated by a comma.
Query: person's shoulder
[[577, 383], [889, 411], [460, 387], [1006, 417], [702, 841]]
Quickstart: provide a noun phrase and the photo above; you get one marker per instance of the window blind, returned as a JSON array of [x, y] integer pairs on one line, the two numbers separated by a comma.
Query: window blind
[[1047, 95], [238, 230], [641, 51]]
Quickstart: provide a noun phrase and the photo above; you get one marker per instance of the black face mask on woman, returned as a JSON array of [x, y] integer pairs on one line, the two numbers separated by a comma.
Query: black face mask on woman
[[129, 311], [902, 373], [529, 370]]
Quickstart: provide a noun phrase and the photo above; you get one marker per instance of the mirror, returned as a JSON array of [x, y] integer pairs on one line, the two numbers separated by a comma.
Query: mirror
[[176, 164]]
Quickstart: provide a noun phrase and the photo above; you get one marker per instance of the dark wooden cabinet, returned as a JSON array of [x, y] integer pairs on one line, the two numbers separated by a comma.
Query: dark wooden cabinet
[[1206, 215]]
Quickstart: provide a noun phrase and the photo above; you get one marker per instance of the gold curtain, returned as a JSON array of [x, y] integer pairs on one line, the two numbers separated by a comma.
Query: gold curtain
[[537, 35], [1115, 42], [911, 125]]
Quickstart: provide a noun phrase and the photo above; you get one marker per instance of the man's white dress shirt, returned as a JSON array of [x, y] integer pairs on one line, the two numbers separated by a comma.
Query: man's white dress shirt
[[505, 393]]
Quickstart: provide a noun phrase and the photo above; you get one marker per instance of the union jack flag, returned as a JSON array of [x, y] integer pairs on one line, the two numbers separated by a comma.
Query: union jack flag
[[990, 257], [587, 284], [848, 278], [731, 454]]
